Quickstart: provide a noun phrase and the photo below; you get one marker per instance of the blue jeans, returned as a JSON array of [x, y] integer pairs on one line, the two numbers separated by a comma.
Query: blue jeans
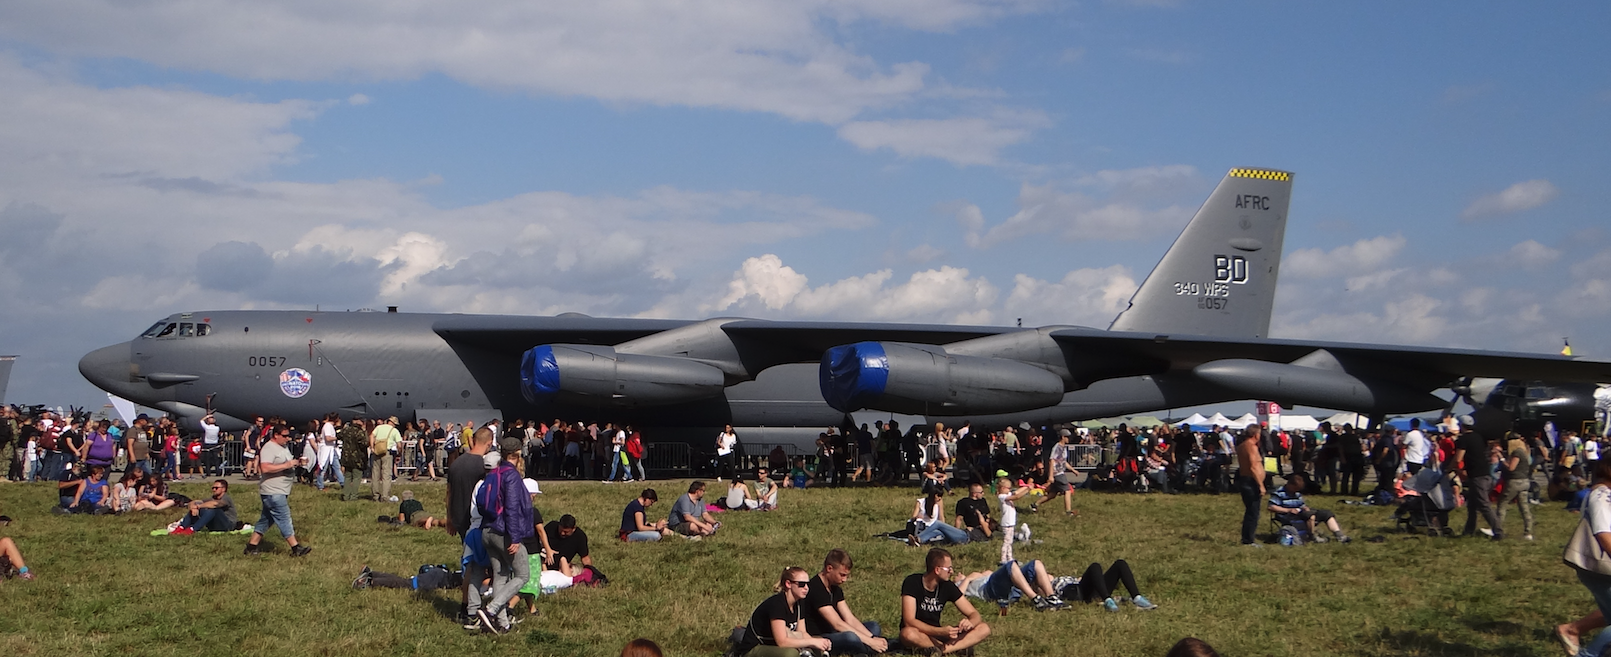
[[999, 586], [1600, 587], [615, 466], [276, 511], [643, 537], [939, 529], [849, 643], [325, 470], [210, 520]]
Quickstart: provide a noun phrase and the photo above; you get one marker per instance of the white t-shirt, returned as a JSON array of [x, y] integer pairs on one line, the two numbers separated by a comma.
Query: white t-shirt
[[725, 442], [328, 431], [1597, 510], [1009, 513], [1416, 447], [929, 519], [1591, 450], [209, 434]]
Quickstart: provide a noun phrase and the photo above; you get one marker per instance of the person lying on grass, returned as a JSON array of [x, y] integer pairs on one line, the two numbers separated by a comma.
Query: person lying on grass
[[923, 599], [11, 563], [1010, 583]]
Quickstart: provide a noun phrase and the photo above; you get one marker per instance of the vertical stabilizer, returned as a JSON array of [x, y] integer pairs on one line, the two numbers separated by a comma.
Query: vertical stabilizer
[[5, 374], [1218, 279]]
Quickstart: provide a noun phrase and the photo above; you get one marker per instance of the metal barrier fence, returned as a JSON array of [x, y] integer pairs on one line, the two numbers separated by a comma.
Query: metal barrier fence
[[669, 459]]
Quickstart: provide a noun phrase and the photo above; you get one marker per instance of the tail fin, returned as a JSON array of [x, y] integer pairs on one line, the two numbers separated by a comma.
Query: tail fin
[[1218, 279], [5, 374]]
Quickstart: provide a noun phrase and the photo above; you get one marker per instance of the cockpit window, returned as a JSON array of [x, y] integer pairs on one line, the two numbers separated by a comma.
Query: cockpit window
[[168, 330], [187, 330], [203, 329], [155, 329]]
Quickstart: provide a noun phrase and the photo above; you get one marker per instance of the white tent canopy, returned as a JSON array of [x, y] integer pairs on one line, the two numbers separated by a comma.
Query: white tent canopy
[[1196, 419], [1244, 421], [1355, 419], [1298, 423], [1218, 418]]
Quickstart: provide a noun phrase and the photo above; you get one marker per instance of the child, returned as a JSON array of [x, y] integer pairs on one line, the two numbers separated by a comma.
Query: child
[[192, 458], [1009, 514], [32, 471]]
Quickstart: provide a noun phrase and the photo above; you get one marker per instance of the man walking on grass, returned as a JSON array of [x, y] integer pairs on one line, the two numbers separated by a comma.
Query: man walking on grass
[[278, 468], [462, 476], [506, 521], [382, 449]]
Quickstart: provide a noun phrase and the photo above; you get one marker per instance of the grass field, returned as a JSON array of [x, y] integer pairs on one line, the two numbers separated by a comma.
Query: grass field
[[107, 588]]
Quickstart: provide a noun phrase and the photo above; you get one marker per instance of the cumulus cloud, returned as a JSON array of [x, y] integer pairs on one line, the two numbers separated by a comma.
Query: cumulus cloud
[[767, 287], [1127, 211], [1515, 198], [961, 141], [1086, 297], [1365, 256], [1531, 255]]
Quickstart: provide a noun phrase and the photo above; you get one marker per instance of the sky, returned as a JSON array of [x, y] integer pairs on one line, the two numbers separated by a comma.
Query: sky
[[959, 161]]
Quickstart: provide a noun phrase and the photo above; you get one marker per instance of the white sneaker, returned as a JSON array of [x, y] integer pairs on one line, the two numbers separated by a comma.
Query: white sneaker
[[1486, 532]]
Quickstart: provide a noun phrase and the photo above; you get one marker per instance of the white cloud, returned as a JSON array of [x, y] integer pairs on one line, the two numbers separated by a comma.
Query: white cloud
[[781, 58], [923, 253], [1515, 198], [961, 141], [946, 295], [1074, 216], [1531, 255], [358, 99], [1365, 256], [1086, 297]]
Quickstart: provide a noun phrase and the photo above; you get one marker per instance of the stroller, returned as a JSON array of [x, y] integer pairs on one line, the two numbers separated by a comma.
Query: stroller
[[1427, 510]]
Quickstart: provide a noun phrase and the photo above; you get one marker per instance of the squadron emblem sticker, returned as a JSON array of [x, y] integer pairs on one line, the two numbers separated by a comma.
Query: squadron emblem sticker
[[295, 382]]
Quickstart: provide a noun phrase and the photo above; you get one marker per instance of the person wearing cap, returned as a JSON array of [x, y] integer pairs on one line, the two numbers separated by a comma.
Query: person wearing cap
[[505, 524], [382, 450], [1062, 474]]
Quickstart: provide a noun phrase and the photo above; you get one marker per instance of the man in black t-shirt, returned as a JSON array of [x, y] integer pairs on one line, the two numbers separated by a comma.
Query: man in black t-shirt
[[828, 615], [973, 512], [923, 598], [566, 541], [1471, 451]]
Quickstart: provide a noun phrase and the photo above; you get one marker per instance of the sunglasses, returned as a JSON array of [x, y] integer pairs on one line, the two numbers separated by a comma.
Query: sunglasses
[[804, 584]]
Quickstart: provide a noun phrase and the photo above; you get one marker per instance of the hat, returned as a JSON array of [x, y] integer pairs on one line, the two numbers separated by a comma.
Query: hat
[[1001, 474], [490, 460], [1064, 433], [392, 419], [408, 495], [531, 486], [509, 445]]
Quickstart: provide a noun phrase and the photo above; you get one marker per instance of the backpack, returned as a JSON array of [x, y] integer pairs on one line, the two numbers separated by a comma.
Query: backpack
[[634, 445], [489, 499], [452, 443]]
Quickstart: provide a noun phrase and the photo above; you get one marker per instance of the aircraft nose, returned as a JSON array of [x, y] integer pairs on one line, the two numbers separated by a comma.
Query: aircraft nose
[[107, 368]]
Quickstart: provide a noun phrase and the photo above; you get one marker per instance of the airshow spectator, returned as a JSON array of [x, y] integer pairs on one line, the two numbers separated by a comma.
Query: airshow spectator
[[1353, 460], [71, 441], [354, 454], [1191, 647], [125, 492], [216, 514], [567, 544], [641, 648], [210, 446], [618, 457], [1008, 496], [928, 522], [1289, 507], [828, 615], [383, 442], [1250, 481], [279, 472], [864, 454], [11, 560], [799, 476], [92, 495], [68, 483], [329, 464], [974, 513], [153, 495], [1417, 449], [688, 515], [766, 490], [739, 496], [635, 452], [1471, 450], [252, 441], [635, 525], [775, 628], [1011, 582], [933, 478], [506, 521], [1518, 469], [726, 443], [99, 447], [923, 599], [411, 512], [462, 478]]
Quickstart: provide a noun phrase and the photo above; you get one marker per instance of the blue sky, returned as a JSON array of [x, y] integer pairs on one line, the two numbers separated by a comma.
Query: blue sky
[[899, 160]]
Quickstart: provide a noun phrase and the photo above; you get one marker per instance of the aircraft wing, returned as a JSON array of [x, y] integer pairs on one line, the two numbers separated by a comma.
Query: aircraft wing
[[1421, 364]]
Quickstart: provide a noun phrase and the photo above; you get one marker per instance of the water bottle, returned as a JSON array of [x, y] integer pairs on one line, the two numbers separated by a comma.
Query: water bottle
[[1286, 539]]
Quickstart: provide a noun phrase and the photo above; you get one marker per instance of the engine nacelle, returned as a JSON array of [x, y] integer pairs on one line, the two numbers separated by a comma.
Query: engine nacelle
[[1310, 386], [923, 379], [598, 375]]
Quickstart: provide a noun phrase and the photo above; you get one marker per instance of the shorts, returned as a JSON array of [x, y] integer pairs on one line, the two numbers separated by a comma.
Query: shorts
[[686, 529]]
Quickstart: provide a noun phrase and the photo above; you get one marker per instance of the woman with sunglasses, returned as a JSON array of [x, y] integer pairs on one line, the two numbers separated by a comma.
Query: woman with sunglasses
[[775, 628]]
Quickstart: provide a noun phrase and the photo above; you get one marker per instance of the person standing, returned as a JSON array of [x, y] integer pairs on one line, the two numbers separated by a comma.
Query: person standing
[[462, 476], [1250, 481], [1471, 451], [329, 463], [725, 442], [252, 440], [353, 454], [635, 452], [1589, 555], [382, 448], [1352, 452], [1518, 470], [1416, 447], [506, 521], [211, 465], [278, 469]]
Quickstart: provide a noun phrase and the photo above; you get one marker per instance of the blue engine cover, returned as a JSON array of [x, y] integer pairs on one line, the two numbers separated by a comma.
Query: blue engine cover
[[853, 376], [539, 374]]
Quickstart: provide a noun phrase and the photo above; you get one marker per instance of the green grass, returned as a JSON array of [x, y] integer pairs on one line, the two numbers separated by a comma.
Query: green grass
[[107, 588]]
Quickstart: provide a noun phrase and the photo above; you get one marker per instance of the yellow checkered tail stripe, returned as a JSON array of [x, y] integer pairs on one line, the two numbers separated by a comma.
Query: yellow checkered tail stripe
[[1261, 174]]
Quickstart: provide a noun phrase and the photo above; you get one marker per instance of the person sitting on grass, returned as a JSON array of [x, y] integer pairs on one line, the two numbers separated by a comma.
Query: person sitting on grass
[[934, 478], [799, 476], [635, 525], [68, 483], [688, 515], [567, 546], [1096, 584], [828, 615], [93, 496], [216, 514], [125, 492], [153, 495], [1011, 582], [1289, 507], [776, 627], [11, 563], [766, 490], [739, 496], [923, 599], [927, 521]]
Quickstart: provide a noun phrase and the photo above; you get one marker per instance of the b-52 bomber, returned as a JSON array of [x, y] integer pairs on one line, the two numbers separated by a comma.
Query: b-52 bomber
[[1195, 332]]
